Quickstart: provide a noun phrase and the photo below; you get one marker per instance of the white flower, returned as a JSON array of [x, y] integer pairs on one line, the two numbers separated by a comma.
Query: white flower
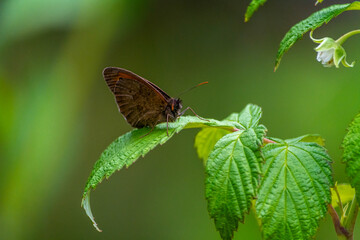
[[330, 52], [326, 57]]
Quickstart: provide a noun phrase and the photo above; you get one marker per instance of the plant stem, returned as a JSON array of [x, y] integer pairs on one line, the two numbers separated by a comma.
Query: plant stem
[[339, 201], [341, 232], [350, 220], [268, 141], [314, 39], [344, 37]]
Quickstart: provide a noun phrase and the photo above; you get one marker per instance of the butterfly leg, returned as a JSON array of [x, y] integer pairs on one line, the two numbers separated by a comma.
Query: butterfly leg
[[167, 124], [148, 132], [182, 113]]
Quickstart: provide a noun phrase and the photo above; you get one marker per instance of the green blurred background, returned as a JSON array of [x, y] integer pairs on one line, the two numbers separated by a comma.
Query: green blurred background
[[57, 114]]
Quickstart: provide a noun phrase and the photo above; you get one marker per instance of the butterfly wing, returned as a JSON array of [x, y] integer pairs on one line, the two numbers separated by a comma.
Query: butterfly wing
[[141, 102]]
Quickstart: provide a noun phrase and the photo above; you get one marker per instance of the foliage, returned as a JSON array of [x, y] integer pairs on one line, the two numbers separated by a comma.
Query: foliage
[[295, 189], [129, 147], [289, 183], [253, 6], [314, 21], [205, 141], [292, 188], [232, 172], [51, 64], [344, 190], [351, 156]]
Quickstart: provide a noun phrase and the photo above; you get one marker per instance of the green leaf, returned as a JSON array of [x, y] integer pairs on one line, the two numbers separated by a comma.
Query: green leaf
[[249, 117], [346, 193], [314, 21], [309, 138], [351, 155], [295, 189], [129, 147], [232, 173], [253, 6], [206, 139]]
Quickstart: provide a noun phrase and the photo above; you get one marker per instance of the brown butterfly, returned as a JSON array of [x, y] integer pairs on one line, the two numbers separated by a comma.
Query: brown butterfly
[[142, 103]]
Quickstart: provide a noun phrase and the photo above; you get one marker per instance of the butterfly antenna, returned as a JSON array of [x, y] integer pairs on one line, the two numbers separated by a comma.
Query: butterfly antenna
[[189, 89]]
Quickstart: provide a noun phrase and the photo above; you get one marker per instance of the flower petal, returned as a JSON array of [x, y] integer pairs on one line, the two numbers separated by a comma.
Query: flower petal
[[325, 56], [339, 55], [326, 44], [314, 39], [347, 64]]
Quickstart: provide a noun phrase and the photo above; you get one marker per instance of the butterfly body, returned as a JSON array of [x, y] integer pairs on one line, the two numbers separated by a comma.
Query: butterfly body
[[142, 103]]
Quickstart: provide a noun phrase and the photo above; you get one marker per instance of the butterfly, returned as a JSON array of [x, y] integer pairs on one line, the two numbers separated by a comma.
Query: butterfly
[[142, 103]]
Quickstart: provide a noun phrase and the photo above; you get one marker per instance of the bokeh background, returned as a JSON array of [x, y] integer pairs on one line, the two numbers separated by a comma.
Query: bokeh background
[[57, 114]]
